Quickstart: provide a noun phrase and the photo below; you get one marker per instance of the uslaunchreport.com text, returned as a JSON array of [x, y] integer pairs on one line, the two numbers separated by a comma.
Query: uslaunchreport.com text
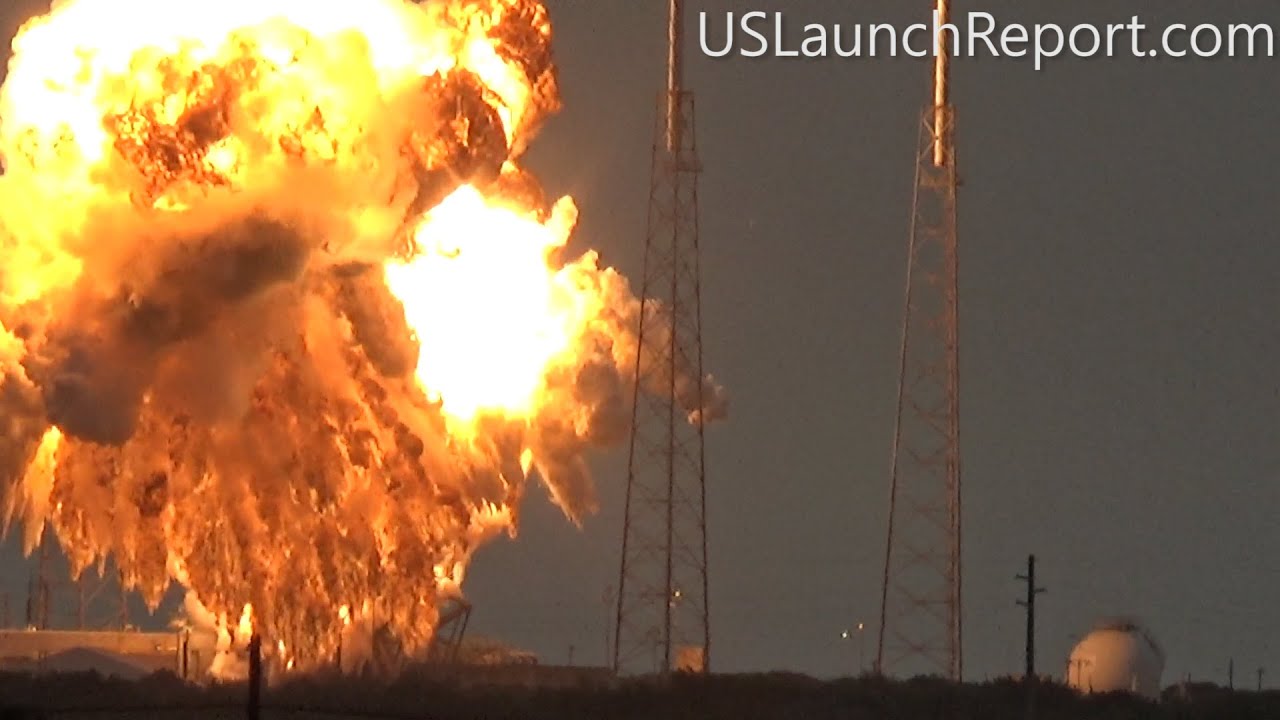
[[756, 34]]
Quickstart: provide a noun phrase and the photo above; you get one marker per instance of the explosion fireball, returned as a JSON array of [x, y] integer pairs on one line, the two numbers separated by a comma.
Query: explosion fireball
[[282, 320]]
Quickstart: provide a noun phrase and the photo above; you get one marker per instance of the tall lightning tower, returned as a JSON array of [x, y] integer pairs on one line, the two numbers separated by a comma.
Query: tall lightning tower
[[920, 616], [100, 599], [662, 615]]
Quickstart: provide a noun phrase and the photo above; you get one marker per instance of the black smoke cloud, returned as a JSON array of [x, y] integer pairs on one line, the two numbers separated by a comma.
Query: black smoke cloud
[[95, 389]]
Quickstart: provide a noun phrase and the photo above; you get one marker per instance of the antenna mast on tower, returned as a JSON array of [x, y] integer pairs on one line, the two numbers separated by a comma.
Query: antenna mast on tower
[[920, 617], [662, 615]]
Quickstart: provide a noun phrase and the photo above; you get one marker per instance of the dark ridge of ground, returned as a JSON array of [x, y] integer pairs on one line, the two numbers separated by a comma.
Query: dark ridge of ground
[[729, 697]]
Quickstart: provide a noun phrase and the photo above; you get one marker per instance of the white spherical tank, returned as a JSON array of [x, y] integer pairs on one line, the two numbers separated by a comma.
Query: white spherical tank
[[1117, 656]]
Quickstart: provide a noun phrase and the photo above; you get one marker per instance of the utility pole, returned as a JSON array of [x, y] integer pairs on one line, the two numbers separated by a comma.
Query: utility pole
[[122, 611], [253, 711], [857, 634], [43, 589], [862, 650], [1260, 671], [920, 610], [1030, 604], [1231, 673], [31, 600], [608, 600]]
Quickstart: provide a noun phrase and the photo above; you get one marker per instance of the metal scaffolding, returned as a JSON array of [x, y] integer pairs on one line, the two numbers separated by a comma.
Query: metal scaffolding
[[662, 611], [921, 613]]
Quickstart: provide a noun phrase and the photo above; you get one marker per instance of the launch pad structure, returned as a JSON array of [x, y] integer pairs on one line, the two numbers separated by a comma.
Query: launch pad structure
[[91, 614], [662, 622], [920, 612]]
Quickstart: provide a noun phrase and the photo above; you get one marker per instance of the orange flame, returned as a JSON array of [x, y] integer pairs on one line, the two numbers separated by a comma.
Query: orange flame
[[281, 318]]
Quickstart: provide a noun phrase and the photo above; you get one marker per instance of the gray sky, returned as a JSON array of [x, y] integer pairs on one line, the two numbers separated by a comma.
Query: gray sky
[[1118, 281]]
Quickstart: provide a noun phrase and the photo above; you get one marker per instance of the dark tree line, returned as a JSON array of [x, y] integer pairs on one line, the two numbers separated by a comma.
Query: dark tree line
[[741, 697]]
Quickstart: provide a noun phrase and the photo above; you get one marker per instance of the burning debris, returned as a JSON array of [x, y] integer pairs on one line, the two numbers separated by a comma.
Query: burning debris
[[281, 318]]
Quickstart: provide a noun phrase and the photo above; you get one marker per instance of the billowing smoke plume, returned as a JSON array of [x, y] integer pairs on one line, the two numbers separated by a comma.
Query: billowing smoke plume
[[281, 318]]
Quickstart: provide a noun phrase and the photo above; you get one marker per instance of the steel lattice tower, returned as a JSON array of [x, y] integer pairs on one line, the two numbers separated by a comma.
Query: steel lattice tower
[[662, 614], [100, 599], [920, 616]]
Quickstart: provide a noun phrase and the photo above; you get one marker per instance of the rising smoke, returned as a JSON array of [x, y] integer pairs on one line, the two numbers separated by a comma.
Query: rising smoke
[[281, 318]]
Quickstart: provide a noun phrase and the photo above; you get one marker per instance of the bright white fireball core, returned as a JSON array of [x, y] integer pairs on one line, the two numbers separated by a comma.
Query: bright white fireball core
[[489, 311]]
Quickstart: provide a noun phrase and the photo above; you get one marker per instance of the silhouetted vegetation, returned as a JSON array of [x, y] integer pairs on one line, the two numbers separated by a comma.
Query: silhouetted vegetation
[[733, 697]]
